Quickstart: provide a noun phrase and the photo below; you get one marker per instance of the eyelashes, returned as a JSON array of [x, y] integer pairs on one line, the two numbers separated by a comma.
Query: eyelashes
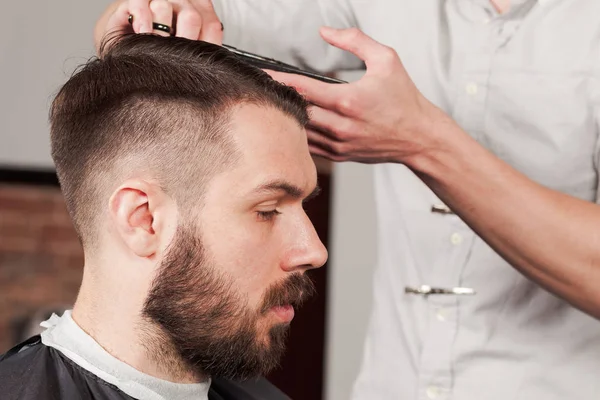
[[267, 215], [271, 214]]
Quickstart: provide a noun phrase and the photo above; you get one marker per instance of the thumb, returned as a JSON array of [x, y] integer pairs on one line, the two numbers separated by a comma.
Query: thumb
[[358, 43]]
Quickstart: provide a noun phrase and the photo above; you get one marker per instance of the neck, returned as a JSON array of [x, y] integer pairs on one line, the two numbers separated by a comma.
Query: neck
[[114, 321], [501, 6], [161, 353]]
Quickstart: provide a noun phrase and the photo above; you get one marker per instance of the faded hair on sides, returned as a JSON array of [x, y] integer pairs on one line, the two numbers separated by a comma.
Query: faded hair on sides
[[155, 104]]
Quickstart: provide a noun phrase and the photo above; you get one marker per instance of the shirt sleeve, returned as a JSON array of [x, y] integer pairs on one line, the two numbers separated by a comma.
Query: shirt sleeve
[[595, 100], [288, 30]]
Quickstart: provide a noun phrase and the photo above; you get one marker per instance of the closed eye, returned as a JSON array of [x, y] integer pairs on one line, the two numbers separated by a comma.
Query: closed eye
[[267, 215]]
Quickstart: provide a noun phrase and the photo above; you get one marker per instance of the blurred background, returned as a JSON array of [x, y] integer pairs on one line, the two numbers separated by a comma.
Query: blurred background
[[41, 259]]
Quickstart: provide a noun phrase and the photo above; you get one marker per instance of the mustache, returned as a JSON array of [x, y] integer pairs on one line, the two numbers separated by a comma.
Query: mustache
[[294, 291]]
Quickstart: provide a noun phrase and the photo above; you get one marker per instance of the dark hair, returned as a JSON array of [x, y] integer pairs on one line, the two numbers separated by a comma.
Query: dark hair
[[161, 104]]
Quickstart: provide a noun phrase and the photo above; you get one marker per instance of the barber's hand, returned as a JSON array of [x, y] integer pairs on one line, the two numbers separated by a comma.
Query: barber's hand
[[380, 118], [192, 19]]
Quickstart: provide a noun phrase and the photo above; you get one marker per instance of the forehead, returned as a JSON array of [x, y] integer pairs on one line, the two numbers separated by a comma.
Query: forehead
[[272, 146]]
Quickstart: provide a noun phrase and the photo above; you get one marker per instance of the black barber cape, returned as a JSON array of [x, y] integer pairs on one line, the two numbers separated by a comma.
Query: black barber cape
[[34, 371]]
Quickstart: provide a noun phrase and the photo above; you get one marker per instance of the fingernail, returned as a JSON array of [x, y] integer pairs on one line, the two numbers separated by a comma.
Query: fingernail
[[145, 28]]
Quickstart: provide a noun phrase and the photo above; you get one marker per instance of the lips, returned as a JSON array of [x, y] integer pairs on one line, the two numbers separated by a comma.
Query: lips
[[285, 312], [284, 301], [288, 294]]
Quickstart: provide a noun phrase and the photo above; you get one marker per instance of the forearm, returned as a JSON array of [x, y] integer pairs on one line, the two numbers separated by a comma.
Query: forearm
[[552, 238]]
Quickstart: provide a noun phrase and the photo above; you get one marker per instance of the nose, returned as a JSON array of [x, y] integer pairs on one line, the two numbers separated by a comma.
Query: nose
[[306, 251]]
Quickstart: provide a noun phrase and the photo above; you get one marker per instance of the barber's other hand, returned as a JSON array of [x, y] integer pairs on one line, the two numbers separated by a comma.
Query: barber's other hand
[[192, 19], [380, 118]]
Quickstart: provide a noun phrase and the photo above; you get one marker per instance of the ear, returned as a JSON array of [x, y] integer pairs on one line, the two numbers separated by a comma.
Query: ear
[[141, 211]]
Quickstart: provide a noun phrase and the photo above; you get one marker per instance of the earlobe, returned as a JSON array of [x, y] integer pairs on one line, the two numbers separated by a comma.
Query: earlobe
[[133, 219]]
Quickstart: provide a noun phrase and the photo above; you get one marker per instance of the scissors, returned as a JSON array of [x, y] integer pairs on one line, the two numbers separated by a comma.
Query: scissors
[[270, 63], [257, 60]]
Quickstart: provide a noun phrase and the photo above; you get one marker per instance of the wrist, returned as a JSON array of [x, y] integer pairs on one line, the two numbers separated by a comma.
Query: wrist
[[435, 135]]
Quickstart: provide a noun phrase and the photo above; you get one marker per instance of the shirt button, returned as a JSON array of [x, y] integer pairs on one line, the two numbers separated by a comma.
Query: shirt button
[[433, 392], [471, 88], [456, 238], [441, 314]]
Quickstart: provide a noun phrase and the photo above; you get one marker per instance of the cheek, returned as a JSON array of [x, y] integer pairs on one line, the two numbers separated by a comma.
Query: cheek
[[251, 255]]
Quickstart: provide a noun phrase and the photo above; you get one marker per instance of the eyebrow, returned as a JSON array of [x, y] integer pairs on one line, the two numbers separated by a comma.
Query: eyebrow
[[286, 187]]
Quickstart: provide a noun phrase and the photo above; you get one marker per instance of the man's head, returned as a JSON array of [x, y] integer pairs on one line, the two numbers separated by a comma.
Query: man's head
[[184, 171]]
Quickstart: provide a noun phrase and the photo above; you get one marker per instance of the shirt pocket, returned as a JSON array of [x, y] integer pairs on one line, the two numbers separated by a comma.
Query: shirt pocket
[[543, 125]]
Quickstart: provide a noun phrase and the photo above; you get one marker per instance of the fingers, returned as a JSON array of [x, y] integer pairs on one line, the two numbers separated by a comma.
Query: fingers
[[114, 19], [329, 123], [197, 20], [187, 21], [191, 19], [319, 139], [119, 20], [323, 94], [332, 135], [211, 25], [373, 53], [142, 16], [321, 151], [162, 13], [315, 151]]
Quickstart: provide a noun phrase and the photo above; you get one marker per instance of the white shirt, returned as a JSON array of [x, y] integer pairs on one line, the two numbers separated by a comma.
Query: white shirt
[[526, 86], [66, 336]]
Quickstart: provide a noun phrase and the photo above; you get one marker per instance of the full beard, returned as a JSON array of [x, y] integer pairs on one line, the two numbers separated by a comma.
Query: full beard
[[210, 326]]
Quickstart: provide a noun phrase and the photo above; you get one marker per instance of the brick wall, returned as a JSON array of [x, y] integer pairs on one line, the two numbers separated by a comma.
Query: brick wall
[[41, 268], [40, 256]]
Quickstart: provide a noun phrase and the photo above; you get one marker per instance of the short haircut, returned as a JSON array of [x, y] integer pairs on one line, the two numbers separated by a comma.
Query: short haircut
[[157, 104]]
